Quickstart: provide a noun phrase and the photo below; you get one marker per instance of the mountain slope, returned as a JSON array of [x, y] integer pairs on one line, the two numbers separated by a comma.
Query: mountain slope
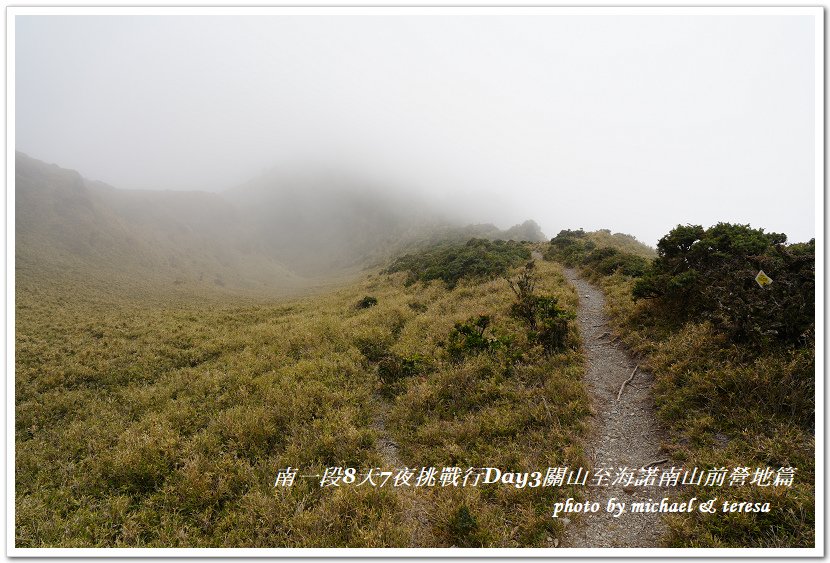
[[70, 227], [276, 232], [320, 225]]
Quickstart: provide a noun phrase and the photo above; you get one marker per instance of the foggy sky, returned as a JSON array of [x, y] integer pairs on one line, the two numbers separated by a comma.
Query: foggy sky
[[633, 123]]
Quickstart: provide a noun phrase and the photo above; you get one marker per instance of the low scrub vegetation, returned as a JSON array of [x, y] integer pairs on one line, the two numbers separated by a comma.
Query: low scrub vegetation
[[468, 339], [546, 321], [366, 302], [710, 274], [600, 253], [734, 364], [477, 259]]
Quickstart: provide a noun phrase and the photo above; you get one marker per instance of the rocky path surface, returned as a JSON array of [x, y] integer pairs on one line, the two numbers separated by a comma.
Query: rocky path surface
[[625, 433]]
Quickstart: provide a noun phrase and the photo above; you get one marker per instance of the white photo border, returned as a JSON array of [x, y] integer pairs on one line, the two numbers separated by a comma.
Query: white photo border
[[817, 551]]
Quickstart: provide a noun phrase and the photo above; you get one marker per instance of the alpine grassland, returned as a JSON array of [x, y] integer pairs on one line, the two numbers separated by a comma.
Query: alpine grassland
[[734, 364], [161, 418]]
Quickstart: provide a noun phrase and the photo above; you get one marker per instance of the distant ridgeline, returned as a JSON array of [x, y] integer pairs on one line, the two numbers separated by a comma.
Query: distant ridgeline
[[271, 233]]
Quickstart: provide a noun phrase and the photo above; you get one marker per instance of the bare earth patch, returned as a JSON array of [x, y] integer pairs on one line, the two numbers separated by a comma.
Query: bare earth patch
[[625, 433]]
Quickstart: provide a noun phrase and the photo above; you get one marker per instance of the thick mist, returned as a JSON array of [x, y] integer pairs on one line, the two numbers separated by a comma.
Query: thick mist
[[632, 123]]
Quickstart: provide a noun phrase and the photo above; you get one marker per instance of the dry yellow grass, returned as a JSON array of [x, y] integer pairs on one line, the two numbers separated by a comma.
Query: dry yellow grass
[[162, 421]]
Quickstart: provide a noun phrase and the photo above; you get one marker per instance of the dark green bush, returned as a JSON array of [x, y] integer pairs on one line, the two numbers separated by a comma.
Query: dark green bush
[[372, 350], [710, 274], [476, 259], [523, 287], [569, 247], [468, 338], [607, 261], [367, 302], [547, 323], [552, 325], [392, 369], [463, 528]]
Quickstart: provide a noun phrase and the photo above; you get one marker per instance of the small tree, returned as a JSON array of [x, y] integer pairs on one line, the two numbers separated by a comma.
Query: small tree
[[547, 323], [468, 338], [523, 286]]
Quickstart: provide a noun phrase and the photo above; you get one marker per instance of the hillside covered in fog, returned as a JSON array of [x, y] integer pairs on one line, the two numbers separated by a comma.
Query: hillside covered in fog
[[276, 231]]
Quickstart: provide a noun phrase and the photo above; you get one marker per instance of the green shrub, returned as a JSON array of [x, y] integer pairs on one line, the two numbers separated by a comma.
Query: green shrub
[[608, 260], [367, 302], [552, 326], [547, 323], [373, 350], [463, 528], [476, 259], [601, 253], [710, 274], [523, 287], [569, 247], [392, 368], [467, 339]]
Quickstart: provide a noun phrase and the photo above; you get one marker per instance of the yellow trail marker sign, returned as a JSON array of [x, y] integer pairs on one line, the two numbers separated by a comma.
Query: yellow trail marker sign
[[763, 279]]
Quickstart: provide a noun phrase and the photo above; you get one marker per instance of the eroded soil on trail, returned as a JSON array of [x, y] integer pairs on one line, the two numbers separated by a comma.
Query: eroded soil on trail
[[625, 433]]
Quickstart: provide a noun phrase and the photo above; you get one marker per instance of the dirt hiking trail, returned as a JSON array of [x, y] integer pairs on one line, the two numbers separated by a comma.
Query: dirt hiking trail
[[415, 510], [625, 433]]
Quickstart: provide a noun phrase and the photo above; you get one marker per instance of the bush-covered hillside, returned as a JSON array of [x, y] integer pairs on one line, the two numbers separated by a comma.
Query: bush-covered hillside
[[477, 259], [600, 253]]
